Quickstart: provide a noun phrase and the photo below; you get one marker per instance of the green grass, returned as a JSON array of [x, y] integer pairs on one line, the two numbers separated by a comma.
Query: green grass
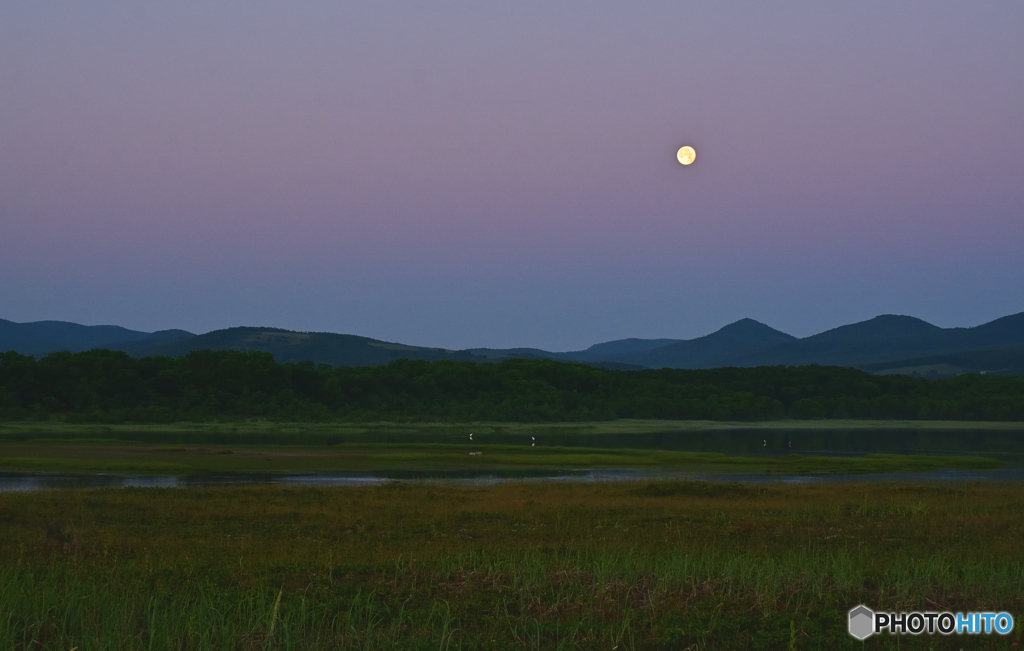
[[92, 456], [502, 457], [671, 565], [314, 432], [262, 446], [72, 465], [80, 441]]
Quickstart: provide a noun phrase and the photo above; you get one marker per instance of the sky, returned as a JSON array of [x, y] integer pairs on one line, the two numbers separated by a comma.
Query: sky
[[464, 174]]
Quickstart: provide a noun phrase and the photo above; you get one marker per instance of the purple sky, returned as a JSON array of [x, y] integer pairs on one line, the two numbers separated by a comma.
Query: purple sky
[[503, 174]]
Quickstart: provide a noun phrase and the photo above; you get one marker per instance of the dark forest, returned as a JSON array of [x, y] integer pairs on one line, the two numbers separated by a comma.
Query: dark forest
[[106, 386]]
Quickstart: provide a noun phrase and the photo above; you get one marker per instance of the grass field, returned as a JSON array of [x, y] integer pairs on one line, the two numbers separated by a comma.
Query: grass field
[[315, 432], [106, 456], [516, 566], [187, 448]]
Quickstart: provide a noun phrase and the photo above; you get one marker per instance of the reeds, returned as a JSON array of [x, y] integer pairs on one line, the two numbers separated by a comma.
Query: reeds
[[517, 566]]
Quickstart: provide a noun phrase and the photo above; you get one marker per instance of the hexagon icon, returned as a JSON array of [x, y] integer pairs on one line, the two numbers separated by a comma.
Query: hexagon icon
[[862, 622]]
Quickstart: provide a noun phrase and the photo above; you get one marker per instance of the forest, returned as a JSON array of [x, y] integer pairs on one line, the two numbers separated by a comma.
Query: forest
[[111, 387]]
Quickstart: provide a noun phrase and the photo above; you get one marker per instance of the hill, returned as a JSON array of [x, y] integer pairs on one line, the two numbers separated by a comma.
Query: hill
[[45, 337], [716, 349], [318, 347], [888, 339], [885, 344], [610, 350]]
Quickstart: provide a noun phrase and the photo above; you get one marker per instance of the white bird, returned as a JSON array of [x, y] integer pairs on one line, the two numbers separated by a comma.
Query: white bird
[[471, 436], [765, 443]]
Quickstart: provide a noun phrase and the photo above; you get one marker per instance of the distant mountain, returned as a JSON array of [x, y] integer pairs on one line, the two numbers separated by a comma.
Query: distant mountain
[[1006, 331], [888, 338], [603, 354], [44, 337], [741, 337], [883, 337], [881, 344], [495, 354], [157, 338], [884, 344], [716, 349], [318, 347], [611, 349]]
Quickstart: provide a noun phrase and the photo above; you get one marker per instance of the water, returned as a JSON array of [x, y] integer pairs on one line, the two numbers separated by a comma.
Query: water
[[29, 482]]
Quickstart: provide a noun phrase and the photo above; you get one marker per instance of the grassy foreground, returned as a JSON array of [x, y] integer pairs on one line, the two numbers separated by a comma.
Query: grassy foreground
[[535, 566]]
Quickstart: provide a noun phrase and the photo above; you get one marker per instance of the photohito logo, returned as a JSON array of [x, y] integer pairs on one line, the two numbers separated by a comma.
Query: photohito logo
[[865, 622]]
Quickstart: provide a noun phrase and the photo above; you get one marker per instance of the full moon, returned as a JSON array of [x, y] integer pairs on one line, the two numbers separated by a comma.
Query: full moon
[[686, 155]]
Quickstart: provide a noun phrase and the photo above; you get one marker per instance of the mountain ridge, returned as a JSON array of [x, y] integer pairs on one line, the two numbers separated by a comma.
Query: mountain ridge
[[745, 335], [43, 337], [887, 343], [318, 347], [886, 337]]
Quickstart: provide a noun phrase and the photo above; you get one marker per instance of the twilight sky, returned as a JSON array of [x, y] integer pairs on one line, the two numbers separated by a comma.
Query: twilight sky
[[503, 174]]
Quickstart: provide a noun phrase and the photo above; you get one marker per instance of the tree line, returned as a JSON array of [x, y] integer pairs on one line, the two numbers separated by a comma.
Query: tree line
[[112, 387]]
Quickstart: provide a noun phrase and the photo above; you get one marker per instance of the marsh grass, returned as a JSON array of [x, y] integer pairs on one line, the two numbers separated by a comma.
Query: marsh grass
[[522, 566], [72, 457], [269, 432]]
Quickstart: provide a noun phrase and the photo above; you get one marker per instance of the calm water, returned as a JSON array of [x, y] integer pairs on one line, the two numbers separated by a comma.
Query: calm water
[[41, 481]]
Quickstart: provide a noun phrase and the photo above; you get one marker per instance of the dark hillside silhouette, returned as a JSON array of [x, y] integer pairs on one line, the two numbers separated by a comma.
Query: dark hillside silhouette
[[884, 344], [44, 337], [318, 347], [743, 336]]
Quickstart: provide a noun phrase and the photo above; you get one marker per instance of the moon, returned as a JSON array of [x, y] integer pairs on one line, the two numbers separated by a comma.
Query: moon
[[686, 155]]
